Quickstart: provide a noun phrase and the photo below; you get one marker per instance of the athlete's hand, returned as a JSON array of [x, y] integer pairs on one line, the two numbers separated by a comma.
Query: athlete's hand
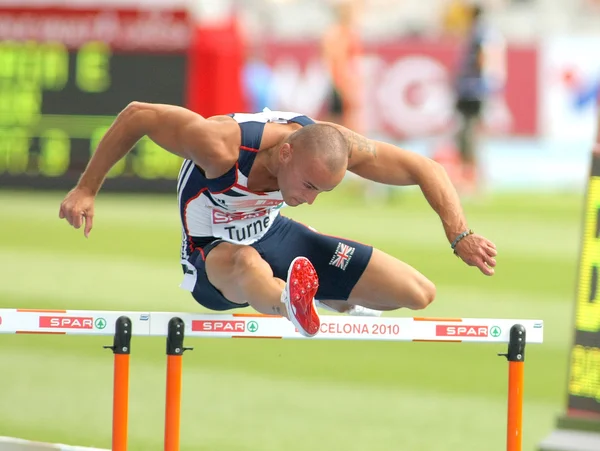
[[476, 250], [77, 208]]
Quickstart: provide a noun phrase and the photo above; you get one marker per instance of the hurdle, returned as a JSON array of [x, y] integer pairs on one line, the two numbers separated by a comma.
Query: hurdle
[[122, 326]]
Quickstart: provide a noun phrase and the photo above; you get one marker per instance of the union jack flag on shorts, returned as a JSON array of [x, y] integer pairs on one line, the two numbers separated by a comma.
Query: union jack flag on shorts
[[342, 256]]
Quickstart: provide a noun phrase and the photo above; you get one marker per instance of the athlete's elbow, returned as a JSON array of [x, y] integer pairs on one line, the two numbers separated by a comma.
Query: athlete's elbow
[[138, 116], [133, 108], [425, 171], [438, 169]]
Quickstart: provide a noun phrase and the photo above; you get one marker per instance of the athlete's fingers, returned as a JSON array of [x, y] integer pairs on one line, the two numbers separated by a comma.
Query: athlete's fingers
[[78, 219], [491, 251], [484, 268], [89, 220], [68, 216], [487, 270], [490, 261]]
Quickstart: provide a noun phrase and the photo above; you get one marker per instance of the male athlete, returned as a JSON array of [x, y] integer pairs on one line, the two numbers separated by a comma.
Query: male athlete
[[239, 170]]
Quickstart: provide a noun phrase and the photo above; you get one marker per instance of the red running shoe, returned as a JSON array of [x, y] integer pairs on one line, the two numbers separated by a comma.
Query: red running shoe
[[299, 296]]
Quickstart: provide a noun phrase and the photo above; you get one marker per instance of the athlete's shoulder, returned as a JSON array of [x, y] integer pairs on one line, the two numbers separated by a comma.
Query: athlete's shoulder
[[267, 115], [220, 150]]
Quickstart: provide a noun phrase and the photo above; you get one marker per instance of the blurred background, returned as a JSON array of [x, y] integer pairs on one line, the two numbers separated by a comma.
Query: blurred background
[[503, 93]]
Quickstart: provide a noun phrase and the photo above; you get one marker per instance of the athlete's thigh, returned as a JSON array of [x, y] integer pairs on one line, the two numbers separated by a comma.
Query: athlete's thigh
[[216, 267], [203, 290], [339, 262], [388, 283]]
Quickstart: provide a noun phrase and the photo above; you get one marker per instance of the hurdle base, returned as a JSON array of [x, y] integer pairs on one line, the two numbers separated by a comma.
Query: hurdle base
[[17, 444], [573, 434]]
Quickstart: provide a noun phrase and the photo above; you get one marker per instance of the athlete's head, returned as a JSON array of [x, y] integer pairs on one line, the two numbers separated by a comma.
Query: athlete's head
[[346, 13], [313, 159]]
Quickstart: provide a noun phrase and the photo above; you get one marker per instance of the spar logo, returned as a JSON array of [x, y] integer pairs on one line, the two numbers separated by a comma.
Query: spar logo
[[224, 326], [461, 331], [223, 217], [66, 322]]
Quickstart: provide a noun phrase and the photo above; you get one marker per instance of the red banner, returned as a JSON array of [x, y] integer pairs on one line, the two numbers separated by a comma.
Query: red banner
[[133, 30], [407, 87]]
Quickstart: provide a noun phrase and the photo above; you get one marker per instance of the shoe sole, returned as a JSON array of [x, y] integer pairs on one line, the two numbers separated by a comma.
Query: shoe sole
[[314, 287]]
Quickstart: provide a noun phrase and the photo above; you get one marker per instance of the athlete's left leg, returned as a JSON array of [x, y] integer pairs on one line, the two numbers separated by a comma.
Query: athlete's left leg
[[389, 284], [350, 273]]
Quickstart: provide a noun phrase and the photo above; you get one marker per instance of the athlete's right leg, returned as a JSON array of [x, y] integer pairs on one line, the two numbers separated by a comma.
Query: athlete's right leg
[[242, 276]]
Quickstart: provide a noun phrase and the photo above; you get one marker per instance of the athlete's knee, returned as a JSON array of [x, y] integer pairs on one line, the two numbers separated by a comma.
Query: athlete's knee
[[422, 292], [228, 267], [227, 261], [244, 259]]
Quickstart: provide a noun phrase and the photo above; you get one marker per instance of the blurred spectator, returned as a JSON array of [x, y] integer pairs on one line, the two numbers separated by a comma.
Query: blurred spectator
[[341, 50], [596, 148], [456, 18], [257, 79], [481, 74]]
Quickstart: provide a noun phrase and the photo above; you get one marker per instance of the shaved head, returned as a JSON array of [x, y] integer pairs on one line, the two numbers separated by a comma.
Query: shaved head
[[311, 160], [323, 142]]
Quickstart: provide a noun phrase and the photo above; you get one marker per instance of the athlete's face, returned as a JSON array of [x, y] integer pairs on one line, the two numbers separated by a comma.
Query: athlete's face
[[302, 177]]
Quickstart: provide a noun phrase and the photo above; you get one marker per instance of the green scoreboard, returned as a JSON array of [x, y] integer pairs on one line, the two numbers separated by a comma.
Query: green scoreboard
[[584, 381], [65, 75], [579, 428]]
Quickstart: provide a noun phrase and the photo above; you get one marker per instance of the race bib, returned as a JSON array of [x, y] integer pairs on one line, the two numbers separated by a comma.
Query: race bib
[[242, 227]]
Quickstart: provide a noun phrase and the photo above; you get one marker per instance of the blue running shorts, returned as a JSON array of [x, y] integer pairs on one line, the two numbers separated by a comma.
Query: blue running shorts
[[339, 262]]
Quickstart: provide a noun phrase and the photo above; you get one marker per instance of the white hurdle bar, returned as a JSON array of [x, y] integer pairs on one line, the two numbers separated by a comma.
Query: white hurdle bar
[[175, 326], [91, 322]]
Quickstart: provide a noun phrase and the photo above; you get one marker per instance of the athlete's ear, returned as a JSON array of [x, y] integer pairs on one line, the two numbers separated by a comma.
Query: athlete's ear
[[285, 153]]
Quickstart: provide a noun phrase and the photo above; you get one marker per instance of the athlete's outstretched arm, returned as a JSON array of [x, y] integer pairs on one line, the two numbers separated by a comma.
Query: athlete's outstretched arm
[[175, 129], [385, 163]]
